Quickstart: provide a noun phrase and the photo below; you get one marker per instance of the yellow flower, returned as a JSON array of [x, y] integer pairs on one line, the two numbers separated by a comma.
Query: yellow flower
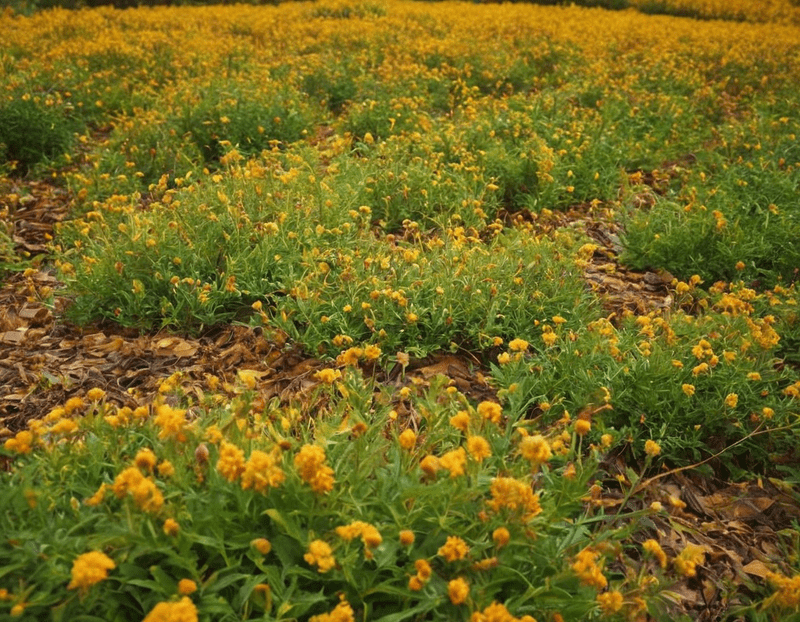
[[231, 461], [406, 537], [350, 356], [181, 611], [491, 411], [97, 497], [651, 448], [587, 569], [654, 548], [501, 536], [514, 495], [21, 443], [343, 612], [88, 569], [186, 587], [262, 545], [754, 375], [248, 378], [606, 440], [497, 612], [504, 358], [415, 584], [423, 568], [454, 461], [18, 609], [430, 464], [328, 375], [310, 465], [454, 549], [731, 400], [145, 459], [171, 527], [372, 352], [73, 404], [582, 427], [688, 559], [787, 590], [688, 389], [478, 448], [610, 602], [171, 421], [518, 345], [262, 471], [407, 439], [166, 469], [458, 590], [143, 490], [460, 420], [535, 449], [65, 426], [370, 536], [320, 554]]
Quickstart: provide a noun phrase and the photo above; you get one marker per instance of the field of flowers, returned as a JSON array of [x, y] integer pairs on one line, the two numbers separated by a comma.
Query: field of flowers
[[379, 183]]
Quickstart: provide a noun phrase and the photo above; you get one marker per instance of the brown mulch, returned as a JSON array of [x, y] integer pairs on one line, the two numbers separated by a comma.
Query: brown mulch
[[44, 360]]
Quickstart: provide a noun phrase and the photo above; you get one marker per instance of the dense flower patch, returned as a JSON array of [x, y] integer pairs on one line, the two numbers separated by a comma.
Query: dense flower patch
[[374, 183]]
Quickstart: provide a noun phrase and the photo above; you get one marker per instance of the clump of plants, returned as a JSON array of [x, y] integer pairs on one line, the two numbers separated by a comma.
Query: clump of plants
[[333, 507]]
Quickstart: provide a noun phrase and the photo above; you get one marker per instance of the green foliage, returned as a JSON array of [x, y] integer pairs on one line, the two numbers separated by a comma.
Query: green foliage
[[377, 506], [34, 129]]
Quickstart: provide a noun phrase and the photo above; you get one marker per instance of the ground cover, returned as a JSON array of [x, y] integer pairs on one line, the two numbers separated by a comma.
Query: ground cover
[[447, 311]]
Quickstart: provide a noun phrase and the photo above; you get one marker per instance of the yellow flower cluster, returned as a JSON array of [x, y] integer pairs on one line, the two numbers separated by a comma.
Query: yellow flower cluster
[[454, 461], [588, 570], [21, 443], [310, 465], [183, 610], [516, 496], [654, 548], [88, 569], [497, 612], [423, 575], [143, 489], [262, 471], [320, 554], [784, 11], [688, 559], [458, 590], [454, 549], [491, 411], [171, 421], [478, 448], [535, 449], [231, 462], [369, 535], [343, 612], [787, 590], [610, 602]]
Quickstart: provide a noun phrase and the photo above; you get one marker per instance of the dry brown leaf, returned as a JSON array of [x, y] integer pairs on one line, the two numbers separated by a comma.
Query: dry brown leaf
[[757, 568]]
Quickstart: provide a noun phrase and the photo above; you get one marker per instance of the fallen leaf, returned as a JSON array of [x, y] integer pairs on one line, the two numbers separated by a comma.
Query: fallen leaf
[[757, 568]]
